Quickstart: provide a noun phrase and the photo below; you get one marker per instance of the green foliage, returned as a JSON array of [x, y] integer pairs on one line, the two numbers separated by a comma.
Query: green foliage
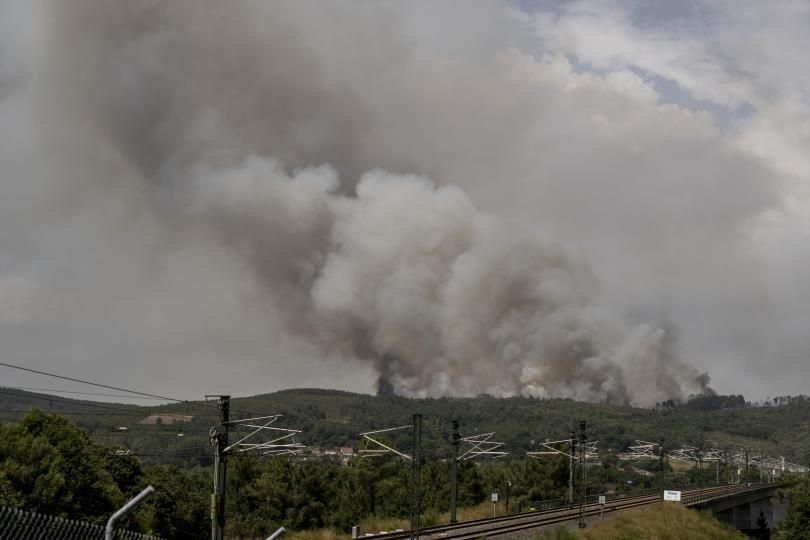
[[49, 466], [714, 402], [796, 524], [179, 506], [332, 418]]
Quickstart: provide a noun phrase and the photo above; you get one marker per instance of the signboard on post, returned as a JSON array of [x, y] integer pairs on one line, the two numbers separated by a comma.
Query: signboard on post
[[602, 499], [674, 496], [494, 497]]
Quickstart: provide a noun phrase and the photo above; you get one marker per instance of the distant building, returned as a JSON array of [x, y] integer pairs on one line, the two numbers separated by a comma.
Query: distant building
[[166, 419]]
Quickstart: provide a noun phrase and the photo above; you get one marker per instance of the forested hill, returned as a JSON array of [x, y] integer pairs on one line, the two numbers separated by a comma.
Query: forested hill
[[331, 418]]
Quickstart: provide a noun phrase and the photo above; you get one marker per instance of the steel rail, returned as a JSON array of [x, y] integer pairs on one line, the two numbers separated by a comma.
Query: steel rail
[[571, 516], [560, 514]]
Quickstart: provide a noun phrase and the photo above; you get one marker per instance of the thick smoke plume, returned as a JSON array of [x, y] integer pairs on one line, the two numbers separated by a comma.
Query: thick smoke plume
[[442, 298], [237, 124]]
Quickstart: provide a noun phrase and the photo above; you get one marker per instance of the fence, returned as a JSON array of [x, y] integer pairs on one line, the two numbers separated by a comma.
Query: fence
[[22, 525]]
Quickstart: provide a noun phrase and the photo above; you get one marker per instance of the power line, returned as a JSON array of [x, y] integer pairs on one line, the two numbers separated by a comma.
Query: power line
[[66, 413], [92, 413], [74, 392], [109, 432], [119, 389], [112, 453], [90, 383], [74, 403]]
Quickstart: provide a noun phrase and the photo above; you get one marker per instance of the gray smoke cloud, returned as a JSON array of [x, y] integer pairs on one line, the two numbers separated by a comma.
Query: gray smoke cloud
[[364, 182], [442, 298]]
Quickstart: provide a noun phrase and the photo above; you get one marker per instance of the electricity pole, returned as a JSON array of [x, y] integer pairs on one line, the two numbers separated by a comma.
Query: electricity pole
[[416, 473], [661, 460], [283, 443], [746, 466], [455, 439], [508, 488], [219, 439], [583, 488], [572, 447]]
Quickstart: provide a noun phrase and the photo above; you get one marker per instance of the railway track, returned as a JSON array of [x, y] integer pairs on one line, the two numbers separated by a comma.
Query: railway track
[[504, 525]]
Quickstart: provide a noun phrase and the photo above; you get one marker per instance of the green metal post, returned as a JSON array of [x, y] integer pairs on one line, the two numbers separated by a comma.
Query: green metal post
[[455, 440], [220, 441]]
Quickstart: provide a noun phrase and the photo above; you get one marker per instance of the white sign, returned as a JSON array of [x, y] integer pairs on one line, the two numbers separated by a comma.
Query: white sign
[[602, 499], [672, 496], [494, 497]]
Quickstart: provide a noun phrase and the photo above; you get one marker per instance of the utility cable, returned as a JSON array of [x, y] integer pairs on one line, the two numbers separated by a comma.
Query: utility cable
[[90, 383], [74, 403], [93, 413], [73, 392]]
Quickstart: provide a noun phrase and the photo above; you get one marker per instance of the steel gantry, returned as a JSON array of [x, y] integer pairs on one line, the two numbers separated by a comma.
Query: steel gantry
[[742, 459], [642, 450], [282, 442], [482, 446], [415, 458], [569, 448], [382, 448]]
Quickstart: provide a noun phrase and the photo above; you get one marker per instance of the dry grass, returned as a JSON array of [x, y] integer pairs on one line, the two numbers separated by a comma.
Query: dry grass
[[316, 534], [662, 521], [375, 524], [468, 513]]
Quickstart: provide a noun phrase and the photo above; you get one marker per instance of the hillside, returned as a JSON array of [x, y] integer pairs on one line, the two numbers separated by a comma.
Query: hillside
[[660, 521], [331, 418]]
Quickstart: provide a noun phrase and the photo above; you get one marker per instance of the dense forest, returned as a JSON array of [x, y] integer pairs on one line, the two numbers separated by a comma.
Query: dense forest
[[83, 459], [332, 419]]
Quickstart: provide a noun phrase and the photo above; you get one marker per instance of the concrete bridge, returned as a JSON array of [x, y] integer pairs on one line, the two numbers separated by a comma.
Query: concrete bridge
[[743, 507]]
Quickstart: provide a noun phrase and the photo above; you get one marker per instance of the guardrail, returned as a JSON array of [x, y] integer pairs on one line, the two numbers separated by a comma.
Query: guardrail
[[21, 524], [613, 496], [697, 497]]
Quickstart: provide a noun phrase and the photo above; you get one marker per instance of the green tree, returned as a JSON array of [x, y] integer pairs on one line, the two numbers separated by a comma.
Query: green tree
[[796, 524], [50, 466], [179, 506]]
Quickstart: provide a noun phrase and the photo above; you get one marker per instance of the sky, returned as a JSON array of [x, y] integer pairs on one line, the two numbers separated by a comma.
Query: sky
[[603, 200]]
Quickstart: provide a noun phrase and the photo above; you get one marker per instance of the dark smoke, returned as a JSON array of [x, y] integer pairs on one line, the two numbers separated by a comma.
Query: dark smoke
[[224, 122]]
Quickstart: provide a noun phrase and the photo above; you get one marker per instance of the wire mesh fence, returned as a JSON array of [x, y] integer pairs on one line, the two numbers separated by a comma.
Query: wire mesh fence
[[18, 525]]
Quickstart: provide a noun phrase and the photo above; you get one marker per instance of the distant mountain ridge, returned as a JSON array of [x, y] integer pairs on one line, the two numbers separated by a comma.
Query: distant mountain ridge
[[334, 418]]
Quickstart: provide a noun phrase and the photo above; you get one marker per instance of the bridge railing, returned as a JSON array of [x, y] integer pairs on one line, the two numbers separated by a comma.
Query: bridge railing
[[699, 496], [695, 494], [592, 498]]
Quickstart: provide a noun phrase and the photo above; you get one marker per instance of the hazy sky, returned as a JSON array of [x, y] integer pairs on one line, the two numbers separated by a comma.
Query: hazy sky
[[592, 199]]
